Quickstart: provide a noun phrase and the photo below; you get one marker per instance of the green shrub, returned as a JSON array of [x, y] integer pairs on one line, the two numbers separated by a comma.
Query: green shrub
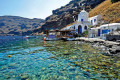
[[113, 1], [84, 34]]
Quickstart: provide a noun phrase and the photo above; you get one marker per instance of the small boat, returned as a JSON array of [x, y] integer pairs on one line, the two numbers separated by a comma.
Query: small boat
[[52, 39], [25, 37], [68, 39], [29, 37], [64, 39], [71, 39]]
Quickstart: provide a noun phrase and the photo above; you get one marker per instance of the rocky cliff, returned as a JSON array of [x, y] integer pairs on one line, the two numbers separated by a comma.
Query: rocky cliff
[[67, 14], [14, 25]]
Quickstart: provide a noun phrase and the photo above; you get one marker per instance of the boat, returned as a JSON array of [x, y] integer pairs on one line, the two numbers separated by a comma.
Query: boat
[[68, 39], [25, 37], [71, 39], [29, 37], [52, 39]]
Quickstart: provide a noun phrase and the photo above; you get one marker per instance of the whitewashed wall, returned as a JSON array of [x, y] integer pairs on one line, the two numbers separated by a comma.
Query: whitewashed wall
[[83, 15]]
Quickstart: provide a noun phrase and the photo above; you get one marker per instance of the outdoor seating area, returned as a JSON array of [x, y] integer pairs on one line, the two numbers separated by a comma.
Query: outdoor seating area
[[58, 34]]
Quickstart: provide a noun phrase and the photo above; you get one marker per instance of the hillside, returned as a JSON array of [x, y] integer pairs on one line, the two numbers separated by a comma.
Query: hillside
[[110, 12], [15, 25], [64, 15]]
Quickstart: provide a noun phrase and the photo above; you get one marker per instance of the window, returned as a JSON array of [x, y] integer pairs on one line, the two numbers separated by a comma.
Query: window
[[91, 22], [112, 29], [85, 27], [94, 20], [74, 27], [82, 20]]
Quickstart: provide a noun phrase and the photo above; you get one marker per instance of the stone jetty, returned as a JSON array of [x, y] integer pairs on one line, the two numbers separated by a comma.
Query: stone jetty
[[108, 46]]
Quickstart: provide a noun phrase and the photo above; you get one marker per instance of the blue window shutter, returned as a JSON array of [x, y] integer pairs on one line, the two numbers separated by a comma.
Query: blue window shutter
[[105, 31], [94, 20], [82, 20]]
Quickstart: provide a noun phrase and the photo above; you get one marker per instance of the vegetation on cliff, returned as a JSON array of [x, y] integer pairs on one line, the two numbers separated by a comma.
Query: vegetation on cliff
[[109, 11], [113, 1]]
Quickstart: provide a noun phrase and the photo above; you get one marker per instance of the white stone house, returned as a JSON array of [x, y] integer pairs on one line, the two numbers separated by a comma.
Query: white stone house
[[103, 30], [94, 32], [108, 28], [95, 20]]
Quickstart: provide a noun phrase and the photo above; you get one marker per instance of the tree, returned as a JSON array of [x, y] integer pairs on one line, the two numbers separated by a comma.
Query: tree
[[113, 1]]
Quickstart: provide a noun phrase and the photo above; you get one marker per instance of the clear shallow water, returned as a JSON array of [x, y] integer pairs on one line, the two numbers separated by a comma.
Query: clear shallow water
[[34, 59]]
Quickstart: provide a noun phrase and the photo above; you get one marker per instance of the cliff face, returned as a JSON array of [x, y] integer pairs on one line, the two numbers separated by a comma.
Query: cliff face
[[14, 25], [64, 15]]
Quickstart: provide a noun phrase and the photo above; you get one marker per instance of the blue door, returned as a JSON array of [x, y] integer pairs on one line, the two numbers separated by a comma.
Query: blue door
[[79, 29], [98, 32]]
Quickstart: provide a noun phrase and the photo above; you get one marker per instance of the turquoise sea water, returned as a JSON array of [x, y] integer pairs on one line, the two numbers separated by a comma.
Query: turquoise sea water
[[34, 59]]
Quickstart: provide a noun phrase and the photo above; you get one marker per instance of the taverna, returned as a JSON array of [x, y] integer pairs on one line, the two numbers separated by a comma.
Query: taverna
[[52, 35]]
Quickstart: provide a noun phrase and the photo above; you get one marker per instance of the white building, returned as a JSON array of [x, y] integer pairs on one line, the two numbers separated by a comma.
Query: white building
[[94, 32], [95, 20], [103, 30], [83, 16], [83, 22]]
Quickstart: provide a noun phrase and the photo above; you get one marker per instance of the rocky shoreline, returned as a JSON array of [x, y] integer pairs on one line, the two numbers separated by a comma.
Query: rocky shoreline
[[110, 47]]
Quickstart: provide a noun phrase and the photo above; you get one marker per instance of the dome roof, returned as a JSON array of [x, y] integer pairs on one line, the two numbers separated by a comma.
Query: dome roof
[[83, 11]]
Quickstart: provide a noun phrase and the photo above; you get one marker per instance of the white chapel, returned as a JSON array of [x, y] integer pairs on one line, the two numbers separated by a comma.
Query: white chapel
[[83, 22]]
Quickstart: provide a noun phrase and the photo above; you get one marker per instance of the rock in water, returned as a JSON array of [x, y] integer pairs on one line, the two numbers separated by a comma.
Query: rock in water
[[9, 55]]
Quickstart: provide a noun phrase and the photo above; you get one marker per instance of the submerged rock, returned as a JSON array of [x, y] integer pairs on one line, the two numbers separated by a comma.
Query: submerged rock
[[29, 79], [66, 53], [43, 69], [24, 77], [52, 65], [86, 74], [53, 57], [9, 56], [73, 57], [48, 45]]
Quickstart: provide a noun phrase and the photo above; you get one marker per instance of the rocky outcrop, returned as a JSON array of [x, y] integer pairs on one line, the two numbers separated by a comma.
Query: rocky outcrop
[[64, 15], [15, 25], [109, 47]]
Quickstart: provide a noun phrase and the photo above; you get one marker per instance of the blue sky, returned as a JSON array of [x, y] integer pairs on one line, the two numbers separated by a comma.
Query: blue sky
[[30, 8]]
